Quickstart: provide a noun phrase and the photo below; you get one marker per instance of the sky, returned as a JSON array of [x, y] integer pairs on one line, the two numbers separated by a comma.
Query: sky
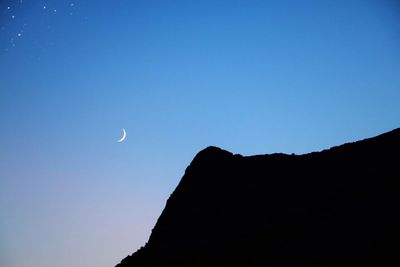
[[251, 77]]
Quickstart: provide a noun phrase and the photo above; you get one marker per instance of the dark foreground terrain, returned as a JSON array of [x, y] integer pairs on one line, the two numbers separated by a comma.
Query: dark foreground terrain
[[338, 207]]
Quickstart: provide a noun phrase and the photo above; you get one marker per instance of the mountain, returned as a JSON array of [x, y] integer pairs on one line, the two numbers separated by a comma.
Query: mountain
[[337, 207]]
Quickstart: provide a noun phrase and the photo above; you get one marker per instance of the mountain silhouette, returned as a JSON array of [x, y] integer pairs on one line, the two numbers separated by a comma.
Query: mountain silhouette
[[337, 207]]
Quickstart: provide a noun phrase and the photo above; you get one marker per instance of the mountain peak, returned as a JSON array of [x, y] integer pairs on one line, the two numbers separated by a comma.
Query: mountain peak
[[212, 151]]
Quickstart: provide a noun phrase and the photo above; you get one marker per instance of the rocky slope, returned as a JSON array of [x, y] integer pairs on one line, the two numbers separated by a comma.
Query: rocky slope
[[337, 207]]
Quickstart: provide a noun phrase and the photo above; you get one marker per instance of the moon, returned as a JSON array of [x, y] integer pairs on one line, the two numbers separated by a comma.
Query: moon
[[123, 136]]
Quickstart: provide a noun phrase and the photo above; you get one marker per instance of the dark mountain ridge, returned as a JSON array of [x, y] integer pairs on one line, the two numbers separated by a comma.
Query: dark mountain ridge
[[337, 207]]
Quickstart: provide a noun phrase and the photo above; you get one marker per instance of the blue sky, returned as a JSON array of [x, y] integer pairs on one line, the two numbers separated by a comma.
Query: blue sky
[[252, 77]]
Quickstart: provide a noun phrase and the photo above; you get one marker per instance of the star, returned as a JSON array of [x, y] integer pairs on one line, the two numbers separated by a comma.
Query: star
[[12, 16], [44, 7], [19, 34]]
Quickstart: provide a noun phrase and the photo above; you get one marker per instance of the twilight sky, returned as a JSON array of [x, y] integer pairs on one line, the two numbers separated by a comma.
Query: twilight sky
[[252, 77]]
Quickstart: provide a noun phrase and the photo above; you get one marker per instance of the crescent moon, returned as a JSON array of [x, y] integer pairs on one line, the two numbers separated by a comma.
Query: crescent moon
[[123, 136]]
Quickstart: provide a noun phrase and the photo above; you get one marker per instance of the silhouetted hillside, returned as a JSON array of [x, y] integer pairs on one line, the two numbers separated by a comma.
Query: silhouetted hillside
[[338, 207]]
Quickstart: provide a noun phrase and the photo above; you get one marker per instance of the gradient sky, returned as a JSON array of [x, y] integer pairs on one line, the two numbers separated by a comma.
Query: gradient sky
[[252, 77]]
